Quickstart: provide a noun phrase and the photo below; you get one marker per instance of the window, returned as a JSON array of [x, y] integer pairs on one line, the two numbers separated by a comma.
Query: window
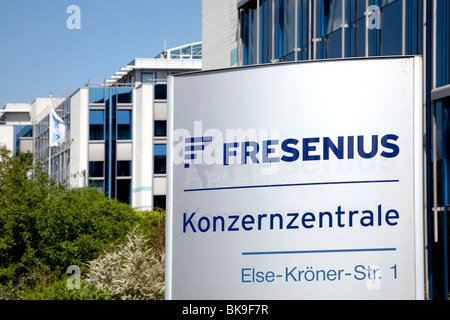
[[175, 54], [124, 124], [159, 154], [124, 95], [286, 28], [123, 169], [159, 202], [96, 169], [160, 128], [96, 95], [391, 28], [97, 184], [249, 32], [96, 124], [123, 190], [442, 44], [197, 51], [160, 91], [147, 77]]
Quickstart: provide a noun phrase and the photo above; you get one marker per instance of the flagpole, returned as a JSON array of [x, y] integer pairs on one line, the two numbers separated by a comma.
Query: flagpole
[[49, 137]]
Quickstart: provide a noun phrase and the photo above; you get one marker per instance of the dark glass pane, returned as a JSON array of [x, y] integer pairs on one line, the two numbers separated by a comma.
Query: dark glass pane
[[391, 29], [265, 32], [97, 184], [124, 95], [96, 124], [147, 77], [160, 91], [96, 95], [124, 191], [124, 124], [333, 43], [442, 44], [303, 30], [160, 128], [123, 168], [159, 202], [286, 25], [160, 158], [96, 169], [96, 132], [249, 32]]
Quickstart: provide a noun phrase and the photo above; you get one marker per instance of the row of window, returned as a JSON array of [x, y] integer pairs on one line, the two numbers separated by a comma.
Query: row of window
[[124, 125], [116, 95], [97, 124], [123, 173], [123, 168], [288, 30], [187, 52]]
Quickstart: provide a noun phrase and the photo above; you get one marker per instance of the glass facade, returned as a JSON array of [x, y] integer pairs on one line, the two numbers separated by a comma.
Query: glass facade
[[110, 122], [296, 30], [191, 51]]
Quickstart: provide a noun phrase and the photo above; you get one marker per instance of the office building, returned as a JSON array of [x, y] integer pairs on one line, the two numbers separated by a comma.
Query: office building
[[116, 130], [251, 32]]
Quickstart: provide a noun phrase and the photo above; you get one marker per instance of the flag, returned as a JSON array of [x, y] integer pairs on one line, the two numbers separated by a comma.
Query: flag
[[57, 128]]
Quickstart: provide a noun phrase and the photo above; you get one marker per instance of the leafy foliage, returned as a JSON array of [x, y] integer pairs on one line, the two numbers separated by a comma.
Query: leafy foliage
[[135, 271], [46, 226]]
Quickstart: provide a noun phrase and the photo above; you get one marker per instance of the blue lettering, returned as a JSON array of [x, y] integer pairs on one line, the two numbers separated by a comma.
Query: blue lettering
[[329, 145], [295, 216], [307, 148], [235, 219], [267, 150], [250, 219], [351, 147], [246, 153], [373, 150], [200, 224], [389, 217], [305, 219], [385, 143], [227, 153], [188, 222], [286, 148]]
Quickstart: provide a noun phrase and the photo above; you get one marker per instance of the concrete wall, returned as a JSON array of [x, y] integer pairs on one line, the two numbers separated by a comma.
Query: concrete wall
[[79, 132], [7, 136], [219, 33], [142, 165]]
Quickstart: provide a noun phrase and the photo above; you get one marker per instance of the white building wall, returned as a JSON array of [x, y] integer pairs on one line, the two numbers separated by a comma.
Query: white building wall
[[219, 33], [7, 136], [79, 133], [142, 165]]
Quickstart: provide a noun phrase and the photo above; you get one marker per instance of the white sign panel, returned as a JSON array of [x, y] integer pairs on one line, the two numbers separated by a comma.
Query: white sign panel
[[296, 181]]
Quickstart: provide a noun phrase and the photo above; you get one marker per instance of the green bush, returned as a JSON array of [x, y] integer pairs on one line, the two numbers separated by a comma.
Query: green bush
[[46, 227]]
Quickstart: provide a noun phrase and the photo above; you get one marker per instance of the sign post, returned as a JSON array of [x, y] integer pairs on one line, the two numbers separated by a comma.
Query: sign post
[[296, 181]]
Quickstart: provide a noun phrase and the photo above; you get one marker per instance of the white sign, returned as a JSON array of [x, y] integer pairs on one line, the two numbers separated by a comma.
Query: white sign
[[296, 181]]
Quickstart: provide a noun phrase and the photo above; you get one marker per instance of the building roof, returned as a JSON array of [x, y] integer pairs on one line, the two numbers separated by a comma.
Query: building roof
[[186, 57]]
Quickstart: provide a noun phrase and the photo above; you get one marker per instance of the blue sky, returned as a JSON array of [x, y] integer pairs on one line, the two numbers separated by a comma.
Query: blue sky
[[39, 54]]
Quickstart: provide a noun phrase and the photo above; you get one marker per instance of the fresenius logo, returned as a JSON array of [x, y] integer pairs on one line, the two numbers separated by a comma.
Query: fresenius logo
[[192, 145], [293, 149]]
